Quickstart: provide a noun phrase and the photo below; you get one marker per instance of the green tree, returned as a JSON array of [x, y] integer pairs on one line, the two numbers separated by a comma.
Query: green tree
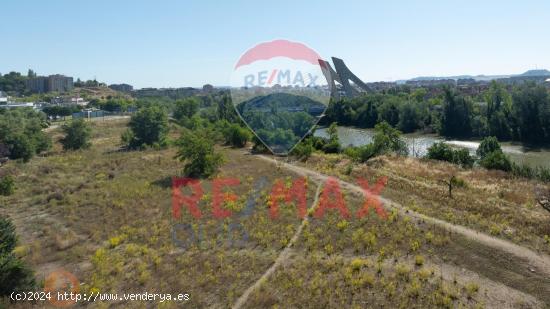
[[440, 151], [443, 152], [488, 145], [186, 108], [115, 104], [225, 109], [21, 147], [386, 140], [333, 144], [456, 117], [149, 127], [499, 111], [496, 160], [15, 276], [463, 158], [128, 138], [8, 239], [199, 156], [367, 112], [532, 110], [389, 111], [236, 136], [491, 155], [31, 73], [13, 83], [303, 150], [77, 135], [21, 134], [409, 118], [56, 110], [419, 95]]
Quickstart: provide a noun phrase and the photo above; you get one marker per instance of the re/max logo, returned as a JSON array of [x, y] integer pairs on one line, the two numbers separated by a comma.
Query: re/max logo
[[331, 198], [280, 77]]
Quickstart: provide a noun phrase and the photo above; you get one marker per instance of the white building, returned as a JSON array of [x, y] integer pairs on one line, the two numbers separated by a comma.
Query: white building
[[79, 101], [15, 105], [69, 101]]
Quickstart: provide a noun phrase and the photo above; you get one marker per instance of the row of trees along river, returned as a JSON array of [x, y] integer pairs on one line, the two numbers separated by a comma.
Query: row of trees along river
[[519, 116]]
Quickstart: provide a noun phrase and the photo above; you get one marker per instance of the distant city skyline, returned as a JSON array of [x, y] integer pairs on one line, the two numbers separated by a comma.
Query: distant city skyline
[[171, 44]]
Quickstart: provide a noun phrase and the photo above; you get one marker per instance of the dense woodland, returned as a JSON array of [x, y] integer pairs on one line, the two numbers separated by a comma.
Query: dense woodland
[[520, 113]]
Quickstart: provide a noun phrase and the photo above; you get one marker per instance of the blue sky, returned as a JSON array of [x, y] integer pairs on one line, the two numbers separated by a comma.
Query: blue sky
[[190, 43]]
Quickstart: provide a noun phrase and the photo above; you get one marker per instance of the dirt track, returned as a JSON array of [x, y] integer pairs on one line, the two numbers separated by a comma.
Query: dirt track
[[540, 263], [506, 264]]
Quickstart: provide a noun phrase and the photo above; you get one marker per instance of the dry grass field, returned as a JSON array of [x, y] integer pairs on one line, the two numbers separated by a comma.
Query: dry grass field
[[105, 215]]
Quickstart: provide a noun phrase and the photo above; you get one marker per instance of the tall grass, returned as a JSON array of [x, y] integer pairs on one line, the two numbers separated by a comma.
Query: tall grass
[[522, 170]]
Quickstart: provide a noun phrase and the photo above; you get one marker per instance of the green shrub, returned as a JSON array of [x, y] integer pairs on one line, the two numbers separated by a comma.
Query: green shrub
[[491, 155], [496, 160], [488, 145], [539, 172], [7, 185], [462, 157], [331, 147], [303, 150], [353, 152], [236, 136], [386, 139], [317, 142], [199, 156], [127, 137], [363, 153], [21, 134], [41, 141], [443, 152], [186, 108], [458, 182], [440, 151], [149, 126], [333, 143], [279, 140], [192, 123], [77, 135], [21, 147]]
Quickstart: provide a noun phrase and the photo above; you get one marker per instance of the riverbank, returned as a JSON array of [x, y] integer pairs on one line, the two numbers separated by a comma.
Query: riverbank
[[418, 144]]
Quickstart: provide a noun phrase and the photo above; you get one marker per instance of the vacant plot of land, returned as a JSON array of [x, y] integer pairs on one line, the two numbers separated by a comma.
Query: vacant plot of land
[[489, 201], [106, 216]]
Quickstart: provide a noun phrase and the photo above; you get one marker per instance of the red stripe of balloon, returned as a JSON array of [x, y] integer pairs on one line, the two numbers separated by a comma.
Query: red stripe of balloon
[[279, 48]]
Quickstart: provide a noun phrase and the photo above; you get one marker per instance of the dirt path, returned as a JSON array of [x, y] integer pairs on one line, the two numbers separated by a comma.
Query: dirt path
[[282, 258], [106, 118], [500, 295], [537, 262], [495, 293]]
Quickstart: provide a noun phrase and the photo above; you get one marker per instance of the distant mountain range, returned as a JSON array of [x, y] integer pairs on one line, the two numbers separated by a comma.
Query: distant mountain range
[[529, 73]]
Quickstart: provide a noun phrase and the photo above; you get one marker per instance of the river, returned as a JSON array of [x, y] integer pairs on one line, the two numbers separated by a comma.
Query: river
[[419, 143]]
